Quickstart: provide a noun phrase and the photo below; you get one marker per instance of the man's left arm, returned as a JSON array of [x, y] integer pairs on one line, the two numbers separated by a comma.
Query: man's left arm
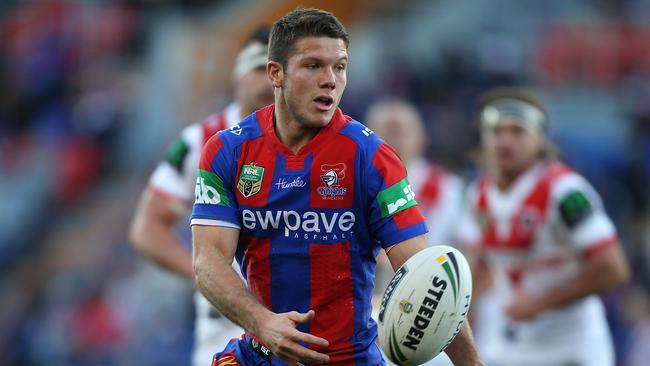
[[462, 350]]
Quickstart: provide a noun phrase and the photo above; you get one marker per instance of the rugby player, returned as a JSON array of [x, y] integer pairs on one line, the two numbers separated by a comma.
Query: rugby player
[[543, 232], [304, 197]]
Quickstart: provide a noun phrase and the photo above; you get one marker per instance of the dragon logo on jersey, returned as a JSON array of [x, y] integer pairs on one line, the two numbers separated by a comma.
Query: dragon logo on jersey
[[250, 179], [332, 173], [396, 198], [529, 218]]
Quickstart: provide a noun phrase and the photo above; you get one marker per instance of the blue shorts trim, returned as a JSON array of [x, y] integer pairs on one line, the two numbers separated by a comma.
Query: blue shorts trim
[[246, 351]]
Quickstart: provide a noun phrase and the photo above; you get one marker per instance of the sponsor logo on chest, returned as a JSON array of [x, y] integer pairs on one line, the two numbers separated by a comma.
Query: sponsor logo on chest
[[310, 225], [295, 183]]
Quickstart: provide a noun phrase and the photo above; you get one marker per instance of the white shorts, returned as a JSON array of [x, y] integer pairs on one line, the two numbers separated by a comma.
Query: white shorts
[[212, 331], [587, 347]]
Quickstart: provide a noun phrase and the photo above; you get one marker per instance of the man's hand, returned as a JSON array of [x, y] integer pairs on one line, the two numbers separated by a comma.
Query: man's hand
[[524, 307], [279, 333]]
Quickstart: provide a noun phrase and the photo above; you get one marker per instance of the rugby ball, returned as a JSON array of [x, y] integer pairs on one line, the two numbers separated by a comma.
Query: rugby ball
[[424, 305]]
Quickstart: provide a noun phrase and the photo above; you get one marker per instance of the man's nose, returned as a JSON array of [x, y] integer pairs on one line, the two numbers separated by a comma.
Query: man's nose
[[328, 79]]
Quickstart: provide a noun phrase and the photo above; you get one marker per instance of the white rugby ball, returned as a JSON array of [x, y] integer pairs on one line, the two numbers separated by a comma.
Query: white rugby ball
[[424, 305]]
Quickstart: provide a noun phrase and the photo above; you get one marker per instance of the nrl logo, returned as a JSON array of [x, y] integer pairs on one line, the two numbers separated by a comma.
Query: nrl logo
[[250, 179], [405, 306]]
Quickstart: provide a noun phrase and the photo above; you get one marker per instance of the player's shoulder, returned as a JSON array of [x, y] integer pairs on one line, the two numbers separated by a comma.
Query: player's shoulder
[[364, 137], [566, 181], [561, 176], [245, 130]]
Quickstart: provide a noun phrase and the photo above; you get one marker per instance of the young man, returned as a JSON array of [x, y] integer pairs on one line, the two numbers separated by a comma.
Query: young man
[[305, 198], [542, 229], [170, 191]]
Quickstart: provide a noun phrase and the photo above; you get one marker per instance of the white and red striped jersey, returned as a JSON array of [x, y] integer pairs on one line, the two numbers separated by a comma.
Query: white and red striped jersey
[[536, 236], [175, 176]]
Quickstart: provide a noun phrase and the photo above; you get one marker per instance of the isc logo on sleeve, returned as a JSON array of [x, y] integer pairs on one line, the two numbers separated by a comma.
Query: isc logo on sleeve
[[396, 198], [209, 189]]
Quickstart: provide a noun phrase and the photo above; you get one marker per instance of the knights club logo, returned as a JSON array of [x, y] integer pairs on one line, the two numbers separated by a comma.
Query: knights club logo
[[250, 179], [332, 174]]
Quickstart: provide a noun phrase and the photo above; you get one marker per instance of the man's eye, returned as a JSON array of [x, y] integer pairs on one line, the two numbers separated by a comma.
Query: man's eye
[[340, 67], [312, 66]]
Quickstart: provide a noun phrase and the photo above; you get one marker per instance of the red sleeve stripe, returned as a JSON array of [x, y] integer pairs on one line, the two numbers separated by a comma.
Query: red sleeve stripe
[[409, 217], [210, 150], [600, 246], [389, 165]]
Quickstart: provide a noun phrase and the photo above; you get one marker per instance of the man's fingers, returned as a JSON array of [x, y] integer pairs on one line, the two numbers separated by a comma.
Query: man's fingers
[[301, 318], [311, 339]]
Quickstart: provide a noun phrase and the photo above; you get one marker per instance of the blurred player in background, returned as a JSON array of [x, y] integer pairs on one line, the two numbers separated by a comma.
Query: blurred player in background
[[543, 231], [170, 193], [438, 192], [305, 198]]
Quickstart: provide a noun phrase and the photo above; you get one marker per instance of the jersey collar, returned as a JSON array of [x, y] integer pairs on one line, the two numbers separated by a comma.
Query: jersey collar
[[265, 120]]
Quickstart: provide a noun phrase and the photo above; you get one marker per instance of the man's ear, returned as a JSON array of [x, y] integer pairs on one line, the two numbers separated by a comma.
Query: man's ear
[[275, 72]]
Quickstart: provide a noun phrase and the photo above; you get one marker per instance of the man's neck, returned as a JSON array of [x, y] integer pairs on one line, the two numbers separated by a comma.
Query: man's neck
[[290, 132], [505, 179]]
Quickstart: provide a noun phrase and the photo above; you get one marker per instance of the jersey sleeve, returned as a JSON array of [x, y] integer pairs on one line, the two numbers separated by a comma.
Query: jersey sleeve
[[393, 212], [581, 213], [215, 203], [174, 176]]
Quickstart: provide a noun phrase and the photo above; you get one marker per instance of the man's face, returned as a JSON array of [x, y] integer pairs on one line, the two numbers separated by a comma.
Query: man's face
[[314, 80], [510, 147], [254, 90]]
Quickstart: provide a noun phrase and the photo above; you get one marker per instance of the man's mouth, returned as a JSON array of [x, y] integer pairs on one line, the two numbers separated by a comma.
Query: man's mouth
[[324, 102]]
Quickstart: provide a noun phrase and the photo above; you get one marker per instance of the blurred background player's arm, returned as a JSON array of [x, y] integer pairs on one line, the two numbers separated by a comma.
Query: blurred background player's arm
[[213, 253], [152, 232], [166, 201], [603, 262], [601, 271], [462, 350]]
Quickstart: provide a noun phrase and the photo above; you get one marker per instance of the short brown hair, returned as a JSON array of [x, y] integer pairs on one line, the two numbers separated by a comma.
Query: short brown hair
[[302, 23]]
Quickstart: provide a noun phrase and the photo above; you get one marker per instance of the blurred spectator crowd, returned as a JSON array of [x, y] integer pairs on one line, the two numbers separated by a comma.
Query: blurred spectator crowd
[[72, 290]]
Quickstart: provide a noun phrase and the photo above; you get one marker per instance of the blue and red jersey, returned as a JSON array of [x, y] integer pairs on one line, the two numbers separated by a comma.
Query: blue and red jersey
[[311, 223]]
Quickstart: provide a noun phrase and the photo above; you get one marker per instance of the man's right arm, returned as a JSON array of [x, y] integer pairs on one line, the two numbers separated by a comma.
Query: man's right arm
[[213, 253]]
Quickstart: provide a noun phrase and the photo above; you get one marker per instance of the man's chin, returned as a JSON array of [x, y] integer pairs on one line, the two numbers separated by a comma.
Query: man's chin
[[321, 119]]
